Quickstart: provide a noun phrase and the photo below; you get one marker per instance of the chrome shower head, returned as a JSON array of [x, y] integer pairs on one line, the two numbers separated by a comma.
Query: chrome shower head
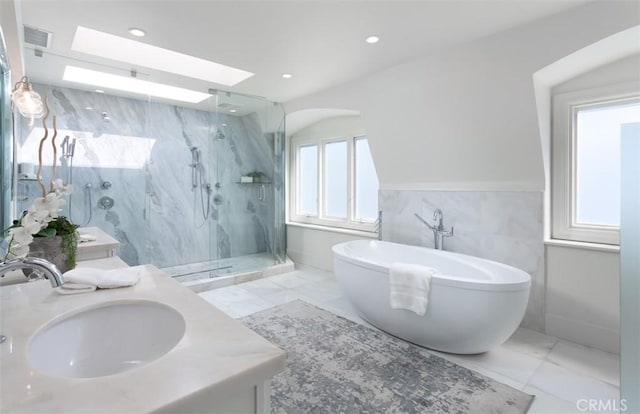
[[195, 156]]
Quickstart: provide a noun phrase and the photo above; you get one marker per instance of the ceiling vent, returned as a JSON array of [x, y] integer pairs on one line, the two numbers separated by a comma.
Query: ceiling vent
[[37, 37]]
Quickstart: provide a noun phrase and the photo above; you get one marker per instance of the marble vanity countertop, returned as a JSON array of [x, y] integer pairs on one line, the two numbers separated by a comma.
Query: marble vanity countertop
[[103, 241], [217, 353]]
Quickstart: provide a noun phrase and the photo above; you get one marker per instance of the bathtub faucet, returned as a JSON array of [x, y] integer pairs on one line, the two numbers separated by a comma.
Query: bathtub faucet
[[378, 225], [439, 233]]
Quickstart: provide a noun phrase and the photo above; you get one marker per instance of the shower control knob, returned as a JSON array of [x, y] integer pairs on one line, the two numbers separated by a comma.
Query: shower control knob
[[106, 185], [218, 186], [106, 203]]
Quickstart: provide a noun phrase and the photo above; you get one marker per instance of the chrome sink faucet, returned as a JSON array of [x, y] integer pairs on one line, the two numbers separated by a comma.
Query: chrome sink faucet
[[48, 269], [439, 233]]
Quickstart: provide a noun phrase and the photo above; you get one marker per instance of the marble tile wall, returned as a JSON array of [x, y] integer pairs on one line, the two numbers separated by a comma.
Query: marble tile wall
[[145, 151], [505, 226]]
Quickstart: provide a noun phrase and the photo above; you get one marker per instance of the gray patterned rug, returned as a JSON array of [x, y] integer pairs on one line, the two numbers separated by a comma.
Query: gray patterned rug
[[337, 366]]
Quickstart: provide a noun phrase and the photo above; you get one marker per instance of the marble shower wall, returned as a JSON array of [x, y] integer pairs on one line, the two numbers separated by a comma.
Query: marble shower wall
[[505, 226], [144, 150]]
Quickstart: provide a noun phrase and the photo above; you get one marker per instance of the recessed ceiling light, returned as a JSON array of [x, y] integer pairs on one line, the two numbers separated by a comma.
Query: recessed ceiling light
[[88, 108], [224, 124], [136, 53], [372, 39], [232, 110], [129, 84], [287, 75], [137, 32]]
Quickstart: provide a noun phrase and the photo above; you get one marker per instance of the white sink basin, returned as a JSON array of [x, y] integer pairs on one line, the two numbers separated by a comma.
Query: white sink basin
[[107, 339]]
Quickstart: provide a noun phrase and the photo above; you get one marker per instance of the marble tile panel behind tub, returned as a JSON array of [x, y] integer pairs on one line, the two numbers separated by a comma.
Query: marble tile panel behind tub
[[505, 226]]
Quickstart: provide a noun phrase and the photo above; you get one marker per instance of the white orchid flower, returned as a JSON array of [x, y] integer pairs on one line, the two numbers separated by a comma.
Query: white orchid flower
[[34, 214], [60, 188], [17, 251], [20, 236], [32, 223], [51, 204]]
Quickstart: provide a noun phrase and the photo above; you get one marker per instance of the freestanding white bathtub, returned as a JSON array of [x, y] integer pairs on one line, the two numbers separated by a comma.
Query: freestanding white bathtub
[[474, 304]]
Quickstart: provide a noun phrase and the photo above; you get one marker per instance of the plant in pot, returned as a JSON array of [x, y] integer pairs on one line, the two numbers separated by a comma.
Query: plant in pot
[[40, 230]]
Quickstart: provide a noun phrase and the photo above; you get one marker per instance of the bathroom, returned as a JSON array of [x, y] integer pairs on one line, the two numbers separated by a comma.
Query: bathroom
[[212, 193]]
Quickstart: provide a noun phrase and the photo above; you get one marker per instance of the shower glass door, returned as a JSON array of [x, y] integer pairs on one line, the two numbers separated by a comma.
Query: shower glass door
[[6, 138], [106, 147], [216, 187], [247, 140]]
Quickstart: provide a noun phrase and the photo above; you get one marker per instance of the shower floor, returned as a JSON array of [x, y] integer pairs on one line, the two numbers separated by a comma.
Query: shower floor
[[191, 272]]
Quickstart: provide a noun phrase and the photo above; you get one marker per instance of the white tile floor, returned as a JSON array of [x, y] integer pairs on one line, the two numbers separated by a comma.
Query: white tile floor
[[557, 372]]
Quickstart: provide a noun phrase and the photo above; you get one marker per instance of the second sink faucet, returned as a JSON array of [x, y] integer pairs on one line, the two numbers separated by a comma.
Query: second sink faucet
[[49, 270], [439, 233]]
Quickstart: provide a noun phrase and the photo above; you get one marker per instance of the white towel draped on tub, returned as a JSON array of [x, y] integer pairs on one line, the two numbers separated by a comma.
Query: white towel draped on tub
[[87, 279], [409, 286]]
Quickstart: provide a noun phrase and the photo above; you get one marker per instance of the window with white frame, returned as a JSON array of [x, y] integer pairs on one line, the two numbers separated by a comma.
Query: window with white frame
[[333, 182], [585, 187]]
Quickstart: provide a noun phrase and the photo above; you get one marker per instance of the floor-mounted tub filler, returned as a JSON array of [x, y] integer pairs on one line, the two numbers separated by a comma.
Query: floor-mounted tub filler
[[473, 305]]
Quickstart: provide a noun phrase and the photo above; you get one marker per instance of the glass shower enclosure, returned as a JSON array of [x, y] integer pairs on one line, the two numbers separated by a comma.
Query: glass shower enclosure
[[233, 180], [197, 190]]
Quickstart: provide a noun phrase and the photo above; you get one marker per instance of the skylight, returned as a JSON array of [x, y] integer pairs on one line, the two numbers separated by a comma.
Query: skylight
[[128, 84], [134, 52]]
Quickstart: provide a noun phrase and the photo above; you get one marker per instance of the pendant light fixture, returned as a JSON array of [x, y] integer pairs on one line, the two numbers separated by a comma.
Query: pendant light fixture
[[28, 101]]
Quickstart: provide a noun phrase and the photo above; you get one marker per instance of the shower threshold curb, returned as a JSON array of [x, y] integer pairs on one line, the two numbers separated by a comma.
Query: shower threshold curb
[[202, 285]]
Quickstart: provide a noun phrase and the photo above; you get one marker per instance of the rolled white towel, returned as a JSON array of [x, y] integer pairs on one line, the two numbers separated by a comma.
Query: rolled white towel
[[73, 288], [409, 286], [86, 237], [87, 279]]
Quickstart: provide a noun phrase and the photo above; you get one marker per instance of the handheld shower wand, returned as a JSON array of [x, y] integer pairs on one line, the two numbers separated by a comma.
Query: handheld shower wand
[[198, 180], [68, 149], [195, 164], [64, 146]]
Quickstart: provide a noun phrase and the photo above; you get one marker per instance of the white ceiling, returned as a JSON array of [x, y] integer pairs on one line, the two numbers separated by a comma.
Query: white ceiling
[[320, 42]]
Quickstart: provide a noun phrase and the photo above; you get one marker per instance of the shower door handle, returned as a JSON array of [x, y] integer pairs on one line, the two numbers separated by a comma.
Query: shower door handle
[[262, 193]]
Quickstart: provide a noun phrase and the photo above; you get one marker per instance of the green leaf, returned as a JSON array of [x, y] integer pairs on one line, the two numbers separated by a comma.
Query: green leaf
[[48, 232]]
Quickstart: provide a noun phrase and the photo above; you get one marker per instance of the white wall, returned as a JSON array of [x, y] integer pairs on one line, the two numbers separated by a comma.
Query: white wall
[[623, 70], [466, 119], [583, 296], [583, 286], [332, 127], [451, 117], [11, 25], [313, 247]]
